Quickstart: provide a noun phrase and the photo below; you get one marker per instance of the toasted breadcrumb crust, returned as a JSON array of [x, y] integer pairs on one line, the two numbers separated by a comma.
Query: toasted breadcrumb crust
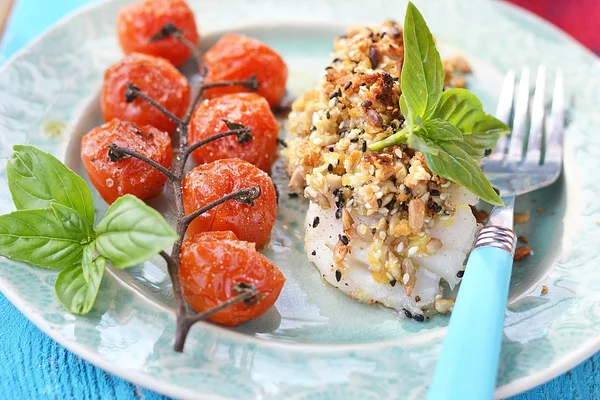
[[355, 104]]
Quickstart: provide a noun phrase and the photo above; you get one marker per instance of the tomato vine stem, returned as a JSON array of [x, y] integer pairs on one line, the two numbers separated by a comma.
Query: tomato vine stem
[[246, 292]]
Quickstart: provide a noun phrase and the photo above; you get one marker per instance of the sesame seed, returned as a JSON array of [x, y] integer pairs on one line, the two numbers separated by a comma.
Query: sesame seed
[[400, 247], [354, 140], [417, 299], [327, 114], [314, 253], [487, 152], [364, 147], [434, 192], [419, 318], [443, 196], [407, 190], [317, 141], [460, 273], [407, 313], [347, 85], [337, 59], [336, 94], [338, 213], [338, 275], [393, 282], [344, 240], [405, 278], [366, 103], [379, 203], [413, 250], [330, 168], [316, 222]]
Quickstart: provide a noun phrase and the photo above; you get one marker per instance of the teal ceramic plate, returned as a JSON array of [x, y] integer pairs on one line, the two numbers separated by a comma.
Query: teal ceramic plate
[[316, 343]]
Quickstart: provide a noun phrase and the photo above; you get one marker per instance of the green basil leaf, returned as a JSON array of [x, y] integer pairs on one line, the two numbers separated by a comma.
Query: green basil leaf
[[459, 107], [76, 293], [418, 143], [456, 165], [422, 77], [481, 141], [37, 179], [50, 238], [87, 259], [464, 110], [407, 113], [438, 130], [489, 124], [132, 232]]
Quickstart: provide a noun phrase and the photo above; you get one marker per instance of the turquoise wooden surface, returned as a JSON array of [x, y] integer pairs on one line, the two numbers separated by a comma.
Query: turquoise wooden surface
[[33, 366]]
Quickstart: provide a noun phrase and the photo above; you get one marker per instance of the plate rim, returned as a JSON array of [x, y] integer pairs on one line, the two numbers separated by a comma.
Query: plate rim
[[588, 349]]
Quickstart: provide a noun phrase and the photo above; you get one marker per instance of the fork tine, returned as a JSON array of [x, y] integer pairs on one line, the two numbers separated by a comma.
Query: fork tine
[[505, 105], [517, 137], [554, 141], [534, 146]]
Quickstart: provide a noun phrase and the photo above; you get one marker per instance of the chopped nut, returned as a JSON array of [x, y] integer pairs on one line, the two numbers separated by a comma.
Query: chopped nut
[[416, 215], [409, 275], [442, 305], [481, 216], [522, 253], [347, 220], [521, 218], [433, 246], [544, 290], [339, 252]]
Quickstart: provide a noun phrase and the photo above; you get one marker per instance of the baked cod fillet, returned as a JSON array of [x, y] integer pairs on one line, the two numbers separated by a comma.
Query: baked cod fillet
[[381, 227]]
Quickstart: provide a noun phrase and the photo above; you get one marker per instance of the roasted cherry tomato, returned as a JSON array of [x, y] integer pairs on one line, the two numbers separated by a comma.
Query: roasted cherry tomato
[[248, 109], [209, 182], [154, 76], [137, 23], [212, 264], [237, 57], [127, 175]]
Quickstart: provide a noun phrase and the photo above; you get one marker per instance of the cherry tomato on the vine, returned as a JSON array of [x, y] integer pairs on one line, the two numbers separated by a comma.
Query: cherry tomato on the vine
[[213, 262], [127, 175], [238, 57], [155, 77], [248, 109], [138, 22], [209, 182]]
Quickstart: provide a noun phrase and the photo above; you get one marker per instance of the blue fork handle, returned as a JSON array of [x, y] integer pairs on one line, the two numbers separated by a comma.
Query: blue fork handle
[[468, 366]]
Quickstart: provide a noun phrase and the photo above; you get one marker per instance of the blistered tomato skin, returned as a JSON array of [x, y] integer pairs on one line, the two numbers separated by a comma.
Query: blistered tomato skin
[[137, 23], [154, 76], [209, 182], [248, 109], [238, 57], [211, 266], [127, 175]]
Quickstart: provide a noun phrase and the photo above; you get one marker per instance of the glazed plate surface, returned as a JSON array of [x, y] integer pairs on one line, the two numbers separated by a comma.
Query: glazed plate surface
[[316, 343]]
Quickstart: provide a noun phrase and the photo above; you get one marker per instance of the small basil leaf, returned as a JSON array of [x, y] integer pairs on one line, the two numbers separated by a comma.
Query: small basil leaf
[[132, 232], [489, 124], [464, 110], [456, 165], [37, 179], [50, 238], [75, 293], [87, 259], [459, 107], [438, 130], [481, 141], [422, 77]]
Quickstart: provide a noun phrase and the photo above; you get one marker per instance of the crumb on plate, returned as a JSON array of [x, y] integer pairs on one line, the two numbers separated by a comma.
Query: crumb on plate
[[521, 218], [522, 253]]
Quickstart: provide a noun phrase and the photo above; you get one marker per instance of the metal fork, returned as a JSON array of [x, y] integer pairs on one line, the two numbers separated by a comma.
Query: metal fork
[[527, 160]]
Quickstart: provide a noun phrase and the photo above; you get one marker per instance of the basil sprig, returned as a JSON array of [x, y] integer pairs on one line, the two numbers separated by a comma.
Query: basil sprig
[[53, 227], [449, 127]]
